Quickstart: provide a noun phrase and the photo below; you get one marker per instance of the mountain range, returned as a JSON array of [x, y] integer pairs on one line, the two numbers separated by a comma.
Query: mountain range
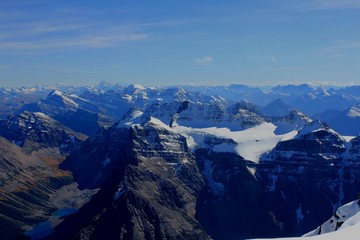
[[189, 162]]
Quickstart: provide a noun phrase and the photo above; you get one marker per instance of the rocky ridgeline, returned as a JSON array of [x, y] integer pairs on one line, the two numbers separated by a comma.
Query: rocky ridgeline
[[35, 130]]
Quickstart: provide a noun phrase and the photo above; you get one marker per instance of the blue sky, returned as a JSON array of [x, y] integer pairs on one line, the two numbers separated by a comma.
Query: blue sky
[[180, 42]]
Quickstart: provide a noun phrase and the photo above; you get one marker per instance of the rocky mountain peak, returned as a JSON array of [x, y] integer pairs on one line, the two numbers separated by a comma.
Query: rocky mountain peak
[[297, 115], [149, 183], [60, 99]]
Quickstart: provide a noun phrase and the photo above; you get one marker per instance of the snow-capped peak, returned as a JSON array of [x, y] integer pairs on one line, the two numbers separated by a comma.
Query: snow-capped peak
[[56, 92]]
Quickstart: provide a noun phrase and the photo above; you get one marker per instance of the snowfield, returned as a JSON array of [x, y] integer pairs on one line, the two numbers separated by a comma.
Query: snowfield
[[251, 143]]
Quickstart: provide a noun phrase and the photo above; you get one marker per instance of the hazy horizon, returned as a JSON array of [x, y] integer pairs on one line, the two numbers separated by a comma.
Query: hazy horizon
[[262, 87]]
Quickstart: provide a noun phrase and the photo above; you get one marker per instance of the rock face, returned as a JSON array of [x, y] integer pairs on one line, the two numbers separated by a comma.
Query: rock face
[[27, 182], [309, 176], [36, 130], [149, 185], [232, 204]]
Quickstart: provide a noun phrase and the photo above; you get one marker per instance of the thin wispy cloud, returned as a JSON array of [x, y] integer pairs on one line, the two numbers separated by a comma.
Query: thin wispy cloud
[[340, 48], [79, 42], [337, 55], [28, 33], [332, 5], [207, 60]]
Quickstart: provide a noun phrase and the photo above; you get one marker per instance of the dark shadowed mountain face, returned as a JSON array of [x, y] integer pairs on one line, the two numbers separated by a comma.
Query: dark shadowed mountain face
[[149, 185], [232, 204], [309, 176]]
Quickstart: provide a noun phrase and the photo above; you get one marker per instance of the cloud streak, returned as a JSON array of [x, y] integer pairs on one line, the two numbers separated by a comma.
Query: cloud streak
[[207, 60], [100, 41], [340, 48]]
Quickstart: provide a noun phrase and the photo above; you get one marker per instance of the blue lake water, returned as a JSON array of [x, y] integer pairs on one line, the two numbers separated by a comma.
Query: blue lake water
[[44, 229]]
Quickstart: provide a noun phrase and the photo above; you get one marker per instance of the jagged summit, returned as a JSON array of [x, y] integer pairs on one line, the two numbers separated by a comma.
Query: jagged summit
[[295, 120]]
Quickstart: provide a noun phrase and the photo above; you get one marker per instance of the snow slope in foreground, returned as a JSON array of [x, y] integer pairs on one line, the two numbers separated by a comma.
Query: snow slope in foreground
[[349, 214], [349, 233]]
